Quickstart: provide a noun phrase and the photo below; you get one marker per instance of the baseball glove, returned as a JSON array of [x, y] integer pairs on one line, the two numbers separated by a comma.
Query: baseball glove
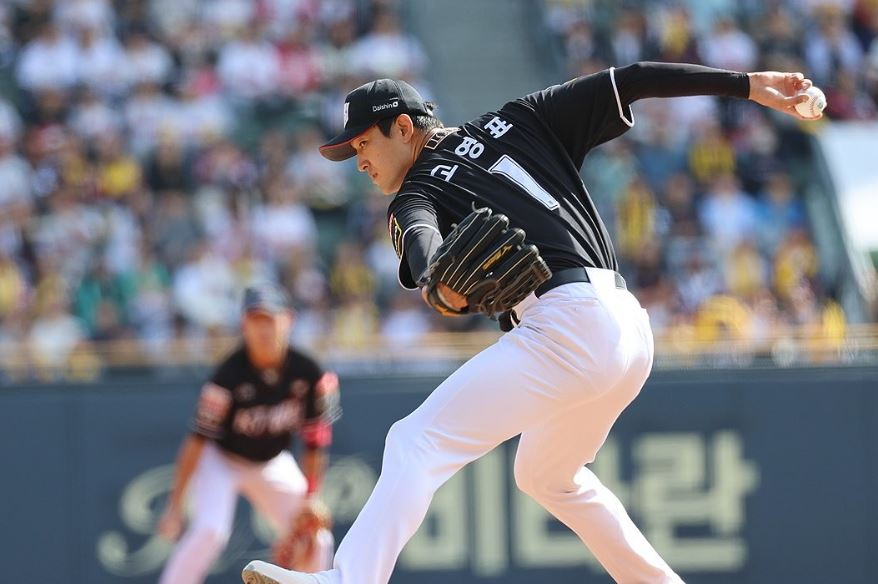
[[296, 550], [487, 262]]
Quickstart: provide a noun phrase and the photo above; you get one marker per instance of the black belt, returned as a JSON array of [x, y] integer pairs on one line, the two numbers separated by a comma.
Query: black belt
[[509, 319], [569, 276]]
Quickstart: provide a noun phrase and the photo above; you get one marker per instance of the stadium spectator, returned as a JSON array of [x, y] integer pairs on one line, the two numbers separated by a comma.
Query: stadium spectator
[[249, 67], [50, 61], [322, 185], [54, 335], [628, 39], [779, 211], [283, 224], [173, 229], [298, 61], [75, 15], [102, 64], [146, 61], [205, 290], [12, 285], [405, 323], [832, 47], [727, 213], [15, 173], [387, 51], [728, 47]]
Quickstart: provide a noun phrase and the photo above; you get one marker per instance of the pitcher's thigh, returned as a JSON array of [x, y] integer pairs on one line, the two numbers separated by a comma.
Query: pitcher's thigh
[[555, 450], [504, 390]]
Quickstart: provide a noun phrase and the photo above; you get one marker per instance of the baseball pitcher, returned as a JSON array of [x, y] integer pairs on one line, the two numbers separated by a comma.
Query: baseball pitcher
[[492, 217]]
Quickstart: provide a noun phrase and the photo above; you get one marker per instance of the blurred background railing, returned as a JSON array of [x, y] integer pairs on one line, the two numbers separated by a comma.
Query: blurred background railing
[[689, 347]]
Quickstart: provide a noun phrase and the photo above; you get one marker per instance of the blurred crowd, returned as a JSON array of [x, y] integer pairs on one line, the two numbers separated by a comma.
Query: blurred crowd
[[158, 155], [707, 196]]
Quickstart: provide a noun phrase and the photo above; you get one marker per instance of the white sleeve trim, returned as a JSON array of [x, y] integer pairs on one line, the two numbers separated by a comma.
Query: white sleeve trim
[[629, 123], [402, 252], [410, 227]]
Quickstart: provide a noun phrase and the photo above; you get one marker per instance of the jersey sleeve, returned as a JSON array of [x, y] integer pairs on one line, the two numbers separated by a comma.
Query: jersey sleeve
[[322, 407], [588, 111], [414, 231], [583, 113], [648, 79], [214, 404]]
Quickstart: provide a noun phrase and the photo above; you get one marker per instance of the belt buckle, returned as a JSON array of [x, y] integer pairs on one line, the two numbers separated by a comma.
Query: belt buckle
[[508, 320]]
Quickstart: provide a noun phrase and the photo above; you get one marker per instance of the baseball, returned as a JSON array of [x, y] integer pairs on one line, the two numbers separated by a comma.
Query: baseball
[[815, 104]]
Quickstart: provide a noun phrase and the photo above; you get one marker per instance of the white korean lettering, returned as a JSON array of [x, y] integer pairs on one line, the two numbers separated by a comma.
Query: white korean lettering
[[497, 127], [445, 171]]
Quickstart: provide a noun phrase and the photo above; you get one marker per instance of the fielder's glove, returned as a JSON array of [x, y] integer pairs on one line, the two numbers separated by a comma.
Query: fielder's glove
[[296, 549], [485, 261]]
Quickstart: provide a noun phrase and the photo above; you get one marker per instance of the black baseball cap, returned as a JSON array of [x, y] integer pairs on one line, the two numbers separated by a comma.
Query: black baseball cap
[[367, 105], [266, 298]]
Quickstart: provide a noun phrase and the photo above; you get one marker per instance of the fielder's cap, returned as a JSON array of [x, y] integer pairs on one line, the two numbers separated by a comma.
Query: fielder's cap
[[367, 105], [266, 298]]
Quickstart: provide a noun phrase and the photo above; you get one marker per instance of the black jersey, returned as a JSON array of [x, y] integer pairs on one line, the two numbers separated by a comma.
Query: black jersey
[[254, 413], [523, 161]]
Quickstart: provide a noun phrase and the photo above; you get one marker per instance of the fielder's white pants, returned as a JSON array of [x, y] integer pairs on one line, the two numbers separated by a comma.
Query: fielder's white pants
[[275, 488], [579, 356]]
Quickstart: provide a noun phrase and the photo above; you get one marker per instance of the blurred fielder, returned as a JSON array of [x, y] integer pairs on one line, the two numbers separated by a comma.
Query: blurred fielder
[[247, 413]]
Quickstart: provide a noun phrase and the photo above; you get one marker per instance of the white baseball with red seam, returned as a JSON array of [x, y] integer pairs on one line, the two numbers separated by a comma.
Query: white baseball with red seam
[[815, 104]]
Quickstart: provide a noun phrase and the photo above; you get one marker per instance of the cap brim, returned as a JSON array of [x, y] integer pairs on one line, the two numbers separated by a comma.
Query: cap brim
[[339, 148]]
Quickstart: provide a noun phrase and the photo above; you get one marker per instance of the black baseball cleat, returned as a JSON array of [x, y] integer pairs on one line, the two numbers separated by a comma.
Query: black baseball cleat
[[259, 572]]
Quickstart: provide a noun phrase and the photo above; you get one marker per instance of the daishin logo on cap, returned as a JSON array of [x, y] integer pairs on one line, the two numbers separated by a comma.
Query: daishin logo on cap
[[347, 106], [384, 106]]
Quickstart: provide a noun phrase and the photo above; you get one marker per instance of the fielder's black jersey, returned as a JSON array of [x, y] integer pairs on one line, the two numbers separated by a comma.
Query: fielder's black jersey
[[523, 161], [254, 413]]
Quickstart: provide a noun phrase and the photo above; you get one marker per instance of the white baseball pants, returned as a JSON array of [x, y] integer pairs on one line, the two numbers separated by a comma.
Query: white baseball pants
[[578, 357], [275, 488]]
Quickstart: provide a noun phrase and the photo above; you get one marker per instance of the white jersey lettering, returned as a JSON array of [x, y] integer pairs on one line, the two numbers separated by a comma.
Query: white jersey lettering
[[497, 127], [445, 171]]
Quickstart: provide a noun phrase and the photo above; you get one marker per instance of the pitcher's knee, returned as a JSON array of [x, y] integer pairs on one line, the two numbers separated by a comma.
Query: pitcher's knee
[[402, 440], [534, 478], [525, 475]]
